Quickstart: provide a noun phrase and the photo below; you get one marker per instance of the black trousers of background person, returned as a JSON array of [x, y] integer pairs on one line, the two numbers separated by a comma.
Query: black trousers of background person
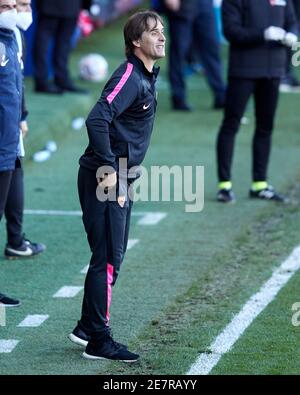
[[207, 47], [107, 227], [12, 203], [265, 92], [61, 31]]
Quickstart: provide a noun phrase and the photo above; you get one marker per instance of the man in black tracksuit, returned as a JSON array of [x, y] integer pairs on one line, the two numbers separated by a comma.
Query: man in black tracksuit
[[119, 126], [258, 32]]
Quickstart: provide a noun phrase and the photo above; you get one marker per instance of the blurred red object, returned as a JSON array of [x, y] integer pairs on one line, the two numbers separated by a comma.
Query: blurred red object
[[85, 23]]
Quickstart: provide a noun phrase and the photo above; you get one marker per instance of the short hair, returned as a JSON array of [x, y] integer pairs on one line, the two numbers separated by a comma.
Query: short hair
[[136, 25]]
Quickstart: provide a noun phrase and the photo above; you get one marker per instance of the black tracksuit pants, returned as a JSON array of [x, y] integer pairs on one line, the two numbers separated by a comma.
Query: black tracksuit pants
[[107, 228], [265, 91], [12, 203], [61, 30]]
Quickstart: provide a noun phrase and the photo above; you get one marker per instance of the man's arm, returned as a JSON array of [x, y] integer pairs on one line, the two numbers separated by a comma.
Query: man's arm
[[233, 28], [118, 94]]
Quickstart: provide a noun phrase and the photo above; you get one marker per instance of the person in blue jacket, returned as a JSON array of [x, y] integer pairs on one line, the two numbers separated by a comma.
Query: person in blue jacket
[[258, 32], [11, 172], [119, 129]]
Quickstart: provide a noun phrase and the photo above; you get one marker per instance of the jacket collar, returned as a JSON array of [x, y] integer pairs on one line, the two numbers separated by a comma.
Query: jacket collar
[[140, 65], [6, 34]]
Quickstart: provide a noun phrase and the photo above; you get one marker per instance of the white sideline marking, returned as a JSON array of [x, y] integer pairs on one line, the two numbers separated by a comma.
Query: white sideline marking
[[6, 346], [34, 320], [54, 212], [67, 292], [151, 218], [85, 269], [255, 305], [131, 244], [148, 218]]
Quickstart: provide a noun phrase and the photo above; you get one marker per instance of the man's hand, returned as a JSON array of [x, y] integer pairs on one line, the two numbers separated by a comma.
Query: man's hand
[[173, 5], [107, 180], [121, 201], [274, 33], [24, 128], [290, 39]]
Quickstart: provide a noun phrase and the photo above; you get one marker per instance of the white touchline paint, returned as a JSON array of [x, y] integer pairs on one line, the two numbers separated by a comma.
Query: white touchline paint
[[54, 212], [33, 320], [67, 292], [6, 346], [85, 269], [255, 305], [131, 244], [152, 218], [148, 218]]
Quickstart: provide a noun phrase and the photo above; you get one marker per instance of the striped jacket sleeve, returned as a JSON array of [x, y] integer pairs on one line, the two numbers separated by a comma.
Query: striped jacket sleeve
[[118, 94]]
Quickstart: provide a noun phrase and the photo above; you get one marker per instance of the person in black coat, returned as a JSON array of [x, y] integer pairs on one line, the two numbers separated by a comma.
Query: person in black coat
[[290, 83], [258, 32], [56, 20], [187, 18]]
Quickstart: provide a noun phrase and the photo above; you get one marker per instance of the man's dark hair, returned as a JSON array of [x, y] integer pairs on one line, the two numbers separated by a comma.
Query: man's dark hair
[[136, 25]]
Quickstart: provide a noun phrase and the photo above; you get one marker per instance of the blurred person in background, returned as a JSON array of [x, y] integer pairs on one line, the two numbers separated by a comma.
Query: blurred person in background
[[56, 20], [188, 19], [12, 150], [290, 83], [259, 31]]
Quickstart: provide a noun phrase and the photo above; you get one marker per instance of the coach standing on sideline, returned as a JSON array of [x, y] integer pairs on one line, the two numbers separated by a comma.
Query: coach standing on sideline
[[258, 31], [119, 126]]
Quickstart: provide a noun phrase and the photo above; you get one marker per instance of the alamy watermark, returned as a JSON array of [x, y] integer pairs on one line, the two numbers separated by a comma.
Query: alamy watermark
[[2, 316], [296, 55], [157, 184], [296, 315]]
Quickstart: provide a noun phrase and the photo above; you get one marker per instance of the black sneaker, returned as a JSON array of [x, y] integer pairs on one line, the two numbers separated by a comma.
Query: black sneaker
[[26, 250], [267, 194], [6, 301], [226, 196], [78, 336], [107, 348]]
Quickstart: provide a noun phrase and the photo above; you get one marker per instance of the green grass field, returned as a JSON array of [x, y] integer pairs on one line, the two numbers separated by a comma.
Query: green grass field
[[188, 275]]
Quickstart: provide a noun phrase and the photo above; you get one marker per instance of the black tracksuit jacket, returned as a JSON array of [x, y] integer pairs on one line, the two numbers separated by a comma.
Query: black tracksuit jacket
[[244, 22], [121, 123]]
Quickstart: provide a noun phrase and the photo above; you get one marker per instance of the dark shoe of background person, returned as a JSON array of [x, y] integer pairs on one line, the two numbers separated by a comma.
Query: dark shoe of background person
[[180, 105], [48, 88], [6, 301], [26, 250], [226, 196], [268, 194], [107, 348], [289, 83]]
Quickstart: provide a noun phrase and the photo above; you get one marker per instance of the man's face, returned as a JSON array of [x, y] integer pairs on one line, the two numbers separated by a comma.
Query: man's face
[[24, 5], [7, 5], [152, 42]]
